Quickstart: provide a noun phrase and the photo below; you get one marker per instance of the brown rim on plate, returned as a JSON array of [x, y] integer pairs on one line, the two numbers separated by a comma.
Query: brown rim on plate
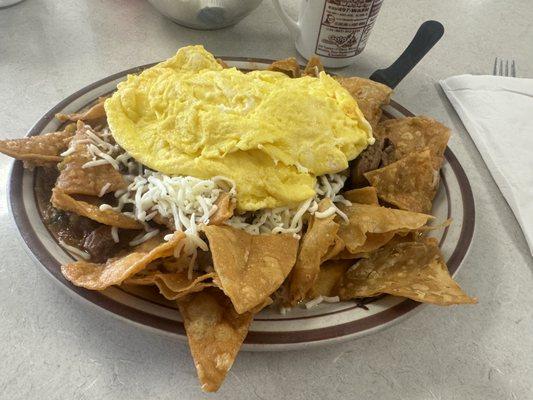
[[371, 322]]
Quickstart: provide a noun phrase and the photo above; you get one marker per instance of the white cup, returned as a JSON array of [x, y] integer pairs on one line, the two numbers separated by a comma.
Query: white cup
[[334, 30]]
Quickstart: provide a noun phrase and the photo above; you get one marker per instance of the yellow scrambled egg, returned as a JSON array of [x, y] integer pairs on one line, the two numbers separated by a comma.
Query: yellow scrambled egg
[[271, 134]]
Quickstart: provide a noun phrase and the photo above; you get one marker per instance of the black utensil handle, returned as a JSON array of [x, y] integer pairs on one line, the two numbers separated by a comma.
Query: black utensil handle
[[426, 37]]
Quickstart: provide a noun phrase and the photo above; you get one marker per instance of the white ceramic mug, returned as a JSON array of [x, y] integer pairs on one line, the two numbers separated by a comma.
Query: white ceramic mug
[[334, 30]]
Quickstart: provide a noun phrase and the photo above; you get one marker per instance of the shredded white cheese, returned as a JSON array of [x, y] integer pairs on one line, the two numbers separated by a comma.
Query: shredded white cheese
[[104, 207], [187, 201], [143, 237], [114, 234], [313, 303], [68, 152], [331, 299], [102, 151], [94, 163], [327, 213], [104, 188], [287, 220], [75, 250], [317, 300], [284, 310], [96, 152]]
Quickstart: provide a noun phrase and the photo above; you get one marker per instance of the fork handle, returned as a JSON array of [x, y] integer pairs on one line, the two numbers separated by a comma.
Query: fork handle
[[426, 37]]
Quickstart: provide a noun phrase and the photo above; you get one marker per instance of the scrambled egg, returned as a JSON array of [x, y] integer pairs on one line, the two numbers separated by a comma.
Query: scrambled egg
[[269, 133]]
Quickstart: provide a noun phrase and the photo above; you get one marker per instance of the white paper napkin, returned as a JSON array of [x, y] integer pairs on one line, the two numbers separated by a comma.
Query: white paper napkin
[[498, 114]]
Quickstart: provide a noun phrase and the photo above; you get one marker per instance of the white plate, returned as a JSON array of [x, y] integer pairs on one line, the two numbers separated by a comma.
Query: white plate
[[299, 328]]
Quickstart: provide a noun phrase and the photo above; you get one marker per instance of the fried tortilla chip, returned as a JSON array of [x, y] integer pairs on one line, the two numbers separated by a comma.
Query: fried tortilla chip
[[336, 248], [250, 267], [66, 202], [93, 114], [288, 66], [365, 219], [366, 195], [318, 238], [215, 332], [411, 135], [74, 179], [409, 184], [370, 96], [116, 270], [373, 242], [314, 67], [173, 285], [225, 208], [328, 278], [415, 270], [344, 254], [434, 227], [41, 150]]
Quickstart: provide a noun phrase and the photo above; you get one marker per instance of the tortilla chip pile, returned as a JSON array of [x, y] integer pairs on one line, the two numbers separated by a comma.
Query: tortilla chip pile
[[379, 248]]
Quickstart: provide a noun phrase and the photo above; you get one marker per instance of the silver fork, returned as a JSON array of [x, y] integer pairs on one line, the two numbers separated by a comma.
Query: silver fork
[[502, 69]]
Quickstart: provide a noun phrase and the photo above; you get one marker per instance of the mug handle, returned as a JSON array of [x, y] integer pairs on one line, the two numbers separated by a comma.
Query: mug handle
[[292, 25]]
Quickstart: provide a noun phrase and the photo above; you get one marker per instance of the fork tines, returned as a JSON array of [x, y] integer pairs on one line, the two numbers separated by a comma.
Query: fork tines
[[501, 69]]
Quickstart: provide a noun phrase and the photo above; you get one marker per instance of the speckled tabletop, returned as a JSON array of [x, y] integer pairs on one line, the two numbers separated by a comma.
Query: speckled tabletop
[[54, 347]]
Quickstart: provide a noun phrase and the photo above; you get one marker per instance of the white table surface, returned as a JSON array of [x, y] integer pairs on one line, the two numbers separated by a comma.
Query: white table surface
[[54, 347]]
